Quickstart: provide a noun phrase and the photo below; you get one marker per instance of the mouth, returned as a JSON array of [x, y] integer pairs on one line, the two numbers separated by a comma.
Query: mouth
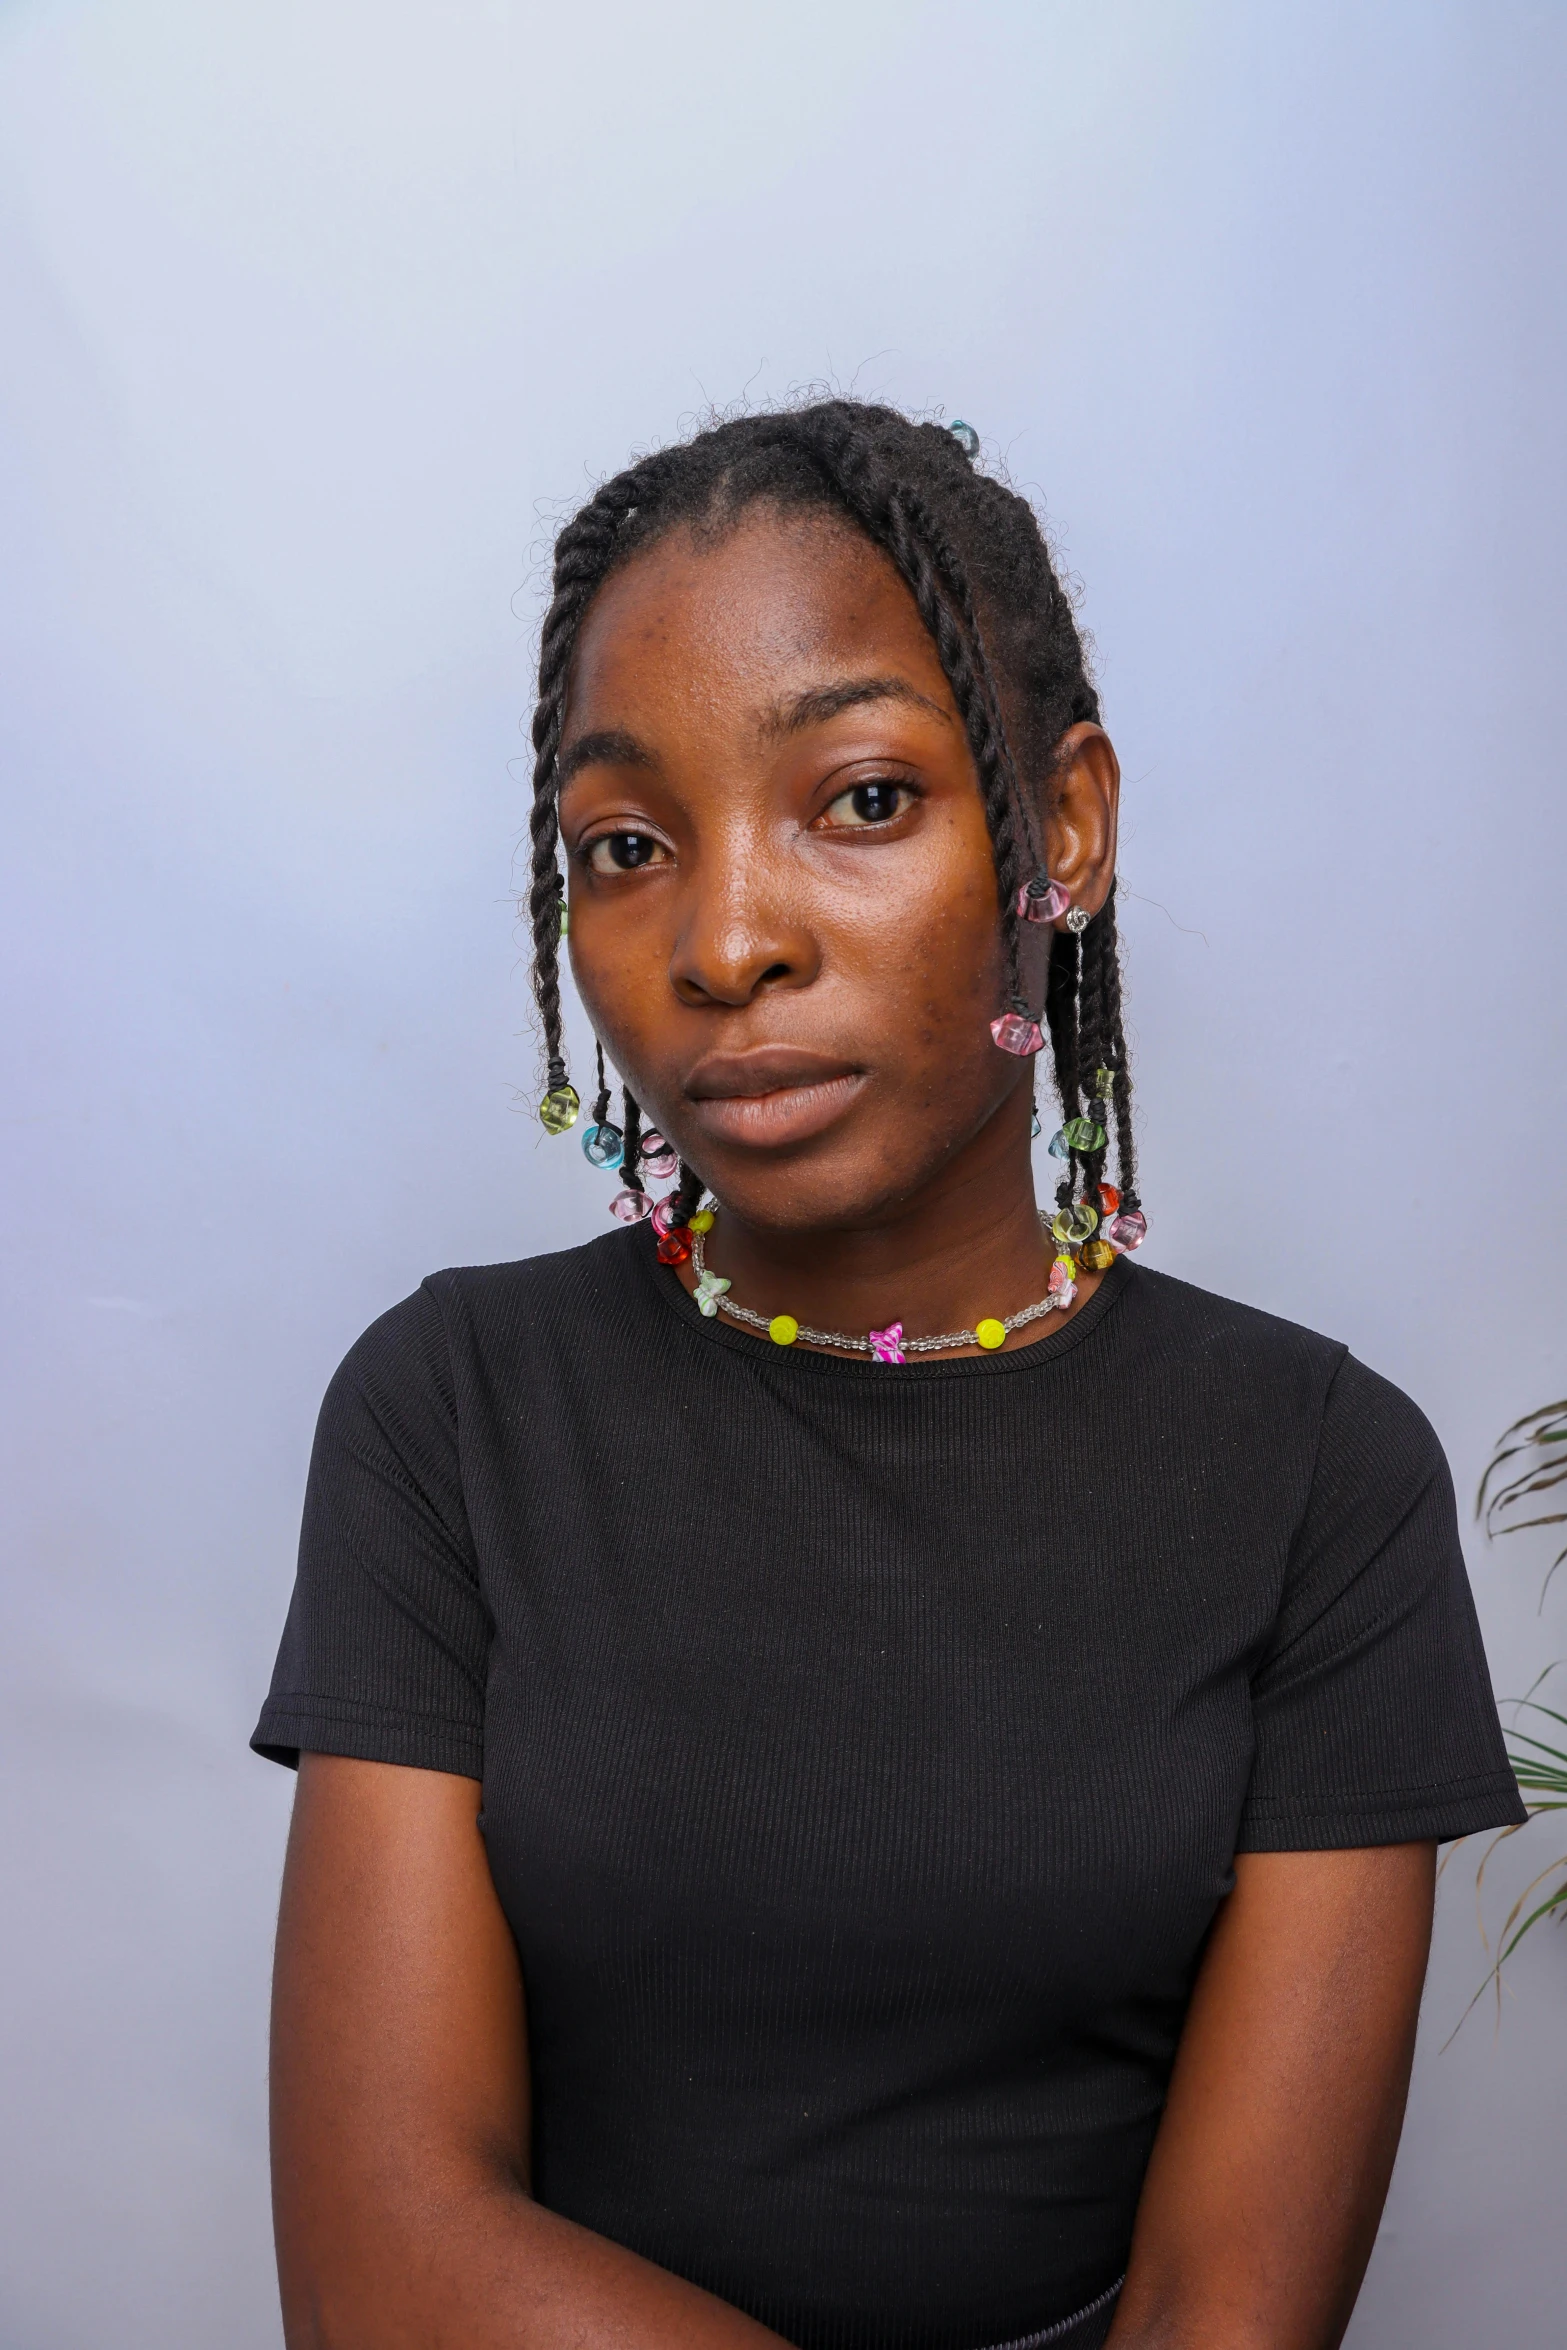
[[771, 1096]]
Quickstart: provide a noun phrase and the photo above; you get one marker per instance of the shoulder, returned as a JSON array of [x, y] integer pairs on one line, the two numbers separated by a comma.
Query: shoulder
[[467, 1317], [569, 1295], [1256, 1370], [1175, 1326]]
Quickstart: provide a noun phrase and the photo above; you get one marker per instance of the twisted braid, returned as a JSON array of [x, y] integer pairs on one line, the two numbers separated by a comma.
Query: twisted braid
[[687, 1195], [915, 550], [1101, 1044], [900, 520], [583, 553], [1061, 1020], [631, 1128], [1115, 1056]]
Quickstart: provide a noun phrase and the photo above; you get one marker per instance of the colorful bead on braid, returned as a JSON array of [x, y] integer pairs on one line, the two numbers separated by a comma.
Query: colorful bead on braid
[[1043, 900], [1077, 1221], [603, 1145], [657, 1157], [558, 1110], [1078, 1134], [1125, 1227], [1017, 1031]]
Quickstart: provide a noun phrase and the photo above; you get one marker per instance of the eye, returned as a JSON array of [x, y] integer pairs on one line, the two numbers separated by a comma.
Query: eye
[[866, 803], [623, 852]]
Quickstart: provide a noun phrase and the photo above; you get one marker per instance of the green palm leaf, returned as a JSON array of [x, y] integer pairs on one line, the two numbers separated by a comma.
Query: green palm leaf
[[1530, 1460]]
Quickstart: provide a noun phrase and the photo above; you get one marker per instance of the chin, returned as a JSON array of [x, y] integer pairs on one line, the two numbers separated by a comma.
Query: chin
[[826, 1196]]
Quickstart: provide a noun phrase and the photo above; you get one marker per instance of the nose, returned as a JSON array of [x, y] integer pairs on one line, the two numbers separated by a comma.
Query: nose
[[743, 928]]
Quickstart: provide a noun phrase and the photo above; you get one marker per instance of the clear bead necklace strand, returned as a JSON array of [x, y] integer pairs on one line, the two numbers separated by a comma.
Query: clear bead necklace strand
[[862, 1346]]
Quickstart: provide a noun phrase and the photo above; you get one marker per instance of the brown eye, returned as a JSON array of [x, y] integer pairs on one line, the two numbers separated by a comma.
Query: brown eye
[[867, 803], [624, 852]]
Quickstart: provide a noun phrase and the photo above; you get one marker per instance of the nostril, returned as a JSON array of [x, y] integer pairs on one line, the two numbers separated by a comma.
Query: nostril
[[776, 971]]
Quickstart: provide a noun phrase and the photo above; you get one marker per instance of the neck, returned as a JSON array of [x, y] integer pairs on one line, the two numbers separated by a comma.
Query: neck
[[967, 1246]]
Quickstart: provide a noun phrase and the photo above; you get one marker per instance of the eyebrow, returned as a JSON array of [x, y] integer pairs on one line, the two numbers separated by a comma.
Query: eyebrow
[[611, 747], [819, 703]]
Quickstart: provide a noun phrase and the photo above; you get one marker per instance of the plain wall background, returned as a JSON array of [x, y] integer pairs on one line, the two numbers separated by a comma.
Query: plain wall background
[[316, 316]]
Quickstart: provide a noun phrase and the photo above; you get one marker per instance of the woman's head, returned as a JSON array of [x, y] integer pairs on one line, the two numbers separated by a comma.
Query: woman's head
[[813, 707]]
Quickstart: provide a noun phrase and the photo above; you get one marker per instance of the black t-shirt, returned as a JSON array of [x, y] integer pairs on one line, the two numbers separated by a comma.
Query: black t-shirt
[[864, 1748]]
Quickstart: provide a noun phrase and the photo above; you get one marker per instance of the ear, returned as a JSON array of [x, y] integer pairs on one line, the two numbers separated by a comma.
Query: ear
[[1082, 815]]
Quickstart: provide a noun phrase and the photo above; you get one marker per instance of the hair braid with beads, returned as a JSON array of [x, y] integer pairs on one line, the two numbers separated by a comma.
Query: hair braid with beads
[[975, 561]]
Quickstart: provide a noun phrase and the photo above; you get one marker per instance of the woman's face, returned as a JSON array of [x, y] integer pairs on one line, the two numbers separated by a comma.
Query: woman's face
[[783, 902]]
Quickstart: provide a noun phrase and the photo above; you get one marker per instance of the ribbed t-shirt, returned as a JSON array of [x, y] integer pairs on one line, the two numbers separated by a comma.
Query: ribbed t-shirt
[[865, 1747]]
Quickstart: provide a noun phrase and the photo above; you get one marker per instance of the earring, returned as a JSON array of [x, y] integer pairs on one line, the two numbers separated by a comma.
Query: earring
[[1078, 920]]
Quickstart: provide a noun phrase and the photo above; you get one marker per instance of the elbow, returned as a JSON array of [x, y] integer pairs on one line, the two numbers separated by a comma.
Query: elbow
[[396, 2270]]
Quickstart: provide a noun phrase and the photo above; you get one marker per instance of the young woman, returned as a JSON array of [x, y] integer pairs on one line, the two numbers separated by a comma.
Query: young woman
[[869, 1765]]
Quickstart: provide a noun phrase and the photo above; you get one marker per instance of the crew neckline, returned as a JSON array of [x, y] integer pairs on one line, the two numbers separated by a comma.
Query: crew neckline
[[678, 1300]]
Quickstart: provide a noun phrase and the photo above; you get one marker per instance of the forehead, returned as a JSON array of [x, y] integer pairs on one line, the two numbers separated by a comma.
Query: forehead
[[720, 625]]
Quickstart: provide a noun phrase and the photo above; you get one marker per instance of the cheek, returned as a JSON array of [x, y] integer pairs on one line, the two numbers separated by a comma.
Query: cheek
[[621, 974], [930, 952]]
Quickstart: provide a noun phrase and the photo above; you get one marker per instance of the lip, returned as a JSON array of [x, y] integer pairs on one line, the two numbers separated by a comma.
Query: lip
[[771, 1096]]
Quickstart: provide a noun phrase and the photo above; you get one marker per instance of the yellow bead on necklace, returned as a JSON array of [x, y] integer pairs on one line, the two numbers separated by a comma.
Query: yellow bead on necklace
[[883, 1346]]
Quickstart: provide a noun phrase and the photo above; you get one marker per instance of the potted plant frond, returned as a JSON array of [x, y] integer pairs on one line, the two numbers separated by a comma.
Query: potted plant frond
[[1525, 1488]]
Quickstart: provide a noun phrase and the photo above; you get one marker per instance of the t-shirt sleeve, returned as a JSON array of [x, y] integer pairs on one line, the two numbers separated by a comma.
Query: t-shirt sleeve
[[385, 1649], [1372, 1705]]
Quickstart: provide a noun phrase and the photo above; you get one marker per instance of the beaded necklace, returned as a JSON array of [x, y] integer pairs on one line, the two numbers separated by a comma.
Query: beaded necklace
[[883, 1346]]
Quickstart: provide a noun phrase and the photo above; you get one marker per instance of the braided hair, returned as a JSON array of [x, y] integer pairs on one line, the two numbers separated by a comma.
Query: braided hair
[[973, 557]]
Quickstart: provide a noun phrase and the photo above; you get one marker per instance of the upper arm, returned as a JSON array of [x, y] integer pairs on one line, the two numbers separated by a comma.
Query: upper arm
[[1267, 2179], [386, 1649], [399, 2063], [1372, 1711], [400, 2101], [1375, 1735]]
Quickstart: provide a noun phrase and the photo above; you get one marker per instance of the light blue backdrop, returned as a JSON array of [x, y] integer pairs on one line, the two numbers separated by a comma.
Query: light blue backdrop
[[316, 317]]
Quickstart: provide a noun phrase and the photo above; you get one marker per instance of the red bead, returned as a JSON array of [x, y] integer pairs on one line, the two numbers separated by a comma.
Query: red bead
[[674, 1247], [1109, 1198]]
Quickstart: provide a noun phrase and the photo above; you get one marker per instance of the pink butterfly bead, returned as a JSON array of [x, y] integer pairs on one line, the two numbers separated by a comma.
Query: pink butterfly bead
[[887, 1345]]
